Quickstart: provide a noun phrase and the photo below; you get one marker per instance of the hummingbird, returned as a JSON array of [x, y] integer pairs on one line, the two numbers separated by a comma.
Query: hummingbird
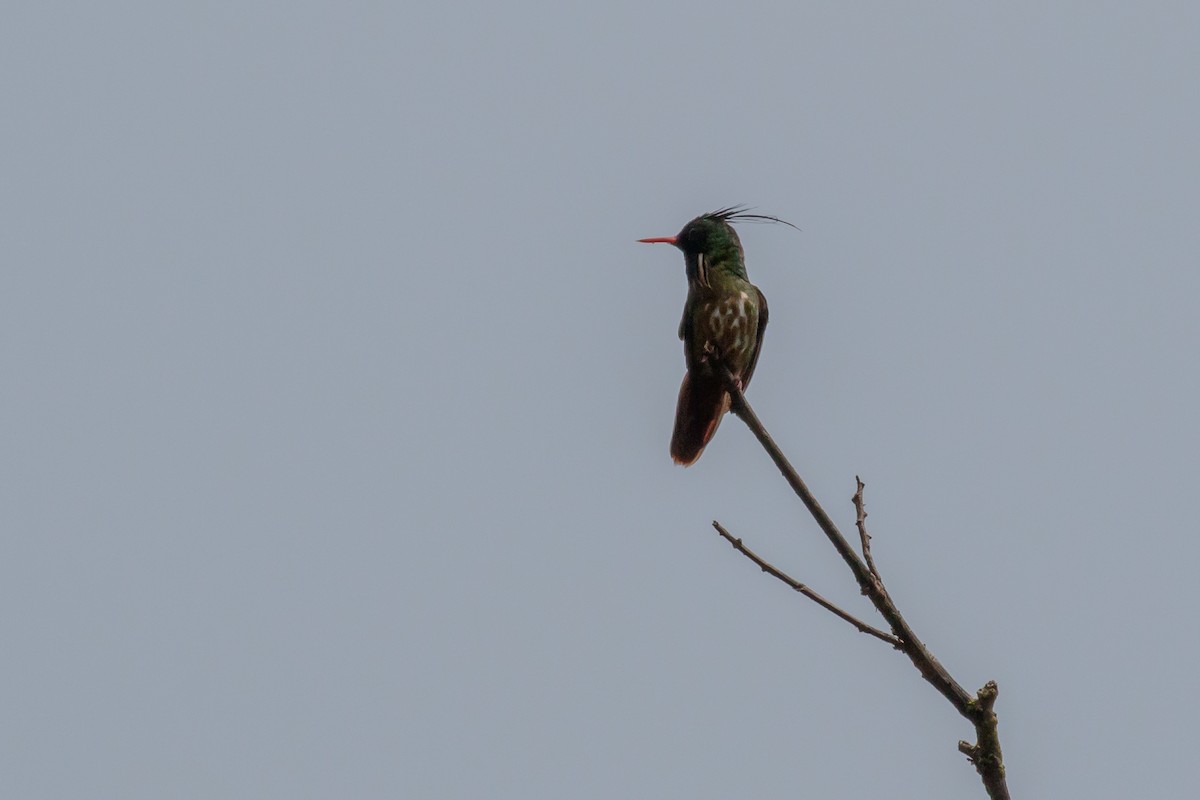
[[724, 319]]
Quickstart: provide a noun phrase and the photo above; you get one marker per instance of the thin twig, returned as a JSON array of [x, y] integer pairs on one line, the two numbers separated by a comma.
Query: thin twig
[[804, 590], [860, 509], [985, 754]]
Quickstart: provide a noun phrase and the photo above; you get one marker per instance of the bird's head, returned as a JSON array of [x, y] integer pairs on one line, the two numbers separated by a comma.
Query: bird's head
[[709, 241]]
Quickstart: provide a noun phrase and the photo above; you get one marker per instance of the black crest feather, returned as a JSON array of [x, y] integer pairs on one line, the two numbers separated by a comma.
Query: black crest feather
[[743, 213]]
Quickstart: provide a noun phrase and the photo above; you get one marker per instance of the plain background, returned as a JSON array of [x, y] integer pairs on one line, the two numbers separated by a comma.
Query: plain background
[[336, 397]]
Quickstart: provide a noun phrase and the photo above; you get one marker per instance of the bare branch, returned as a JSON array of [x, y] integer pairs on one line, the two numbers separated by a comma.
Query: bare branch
[[860, 509], [985, 754], [804, 590]]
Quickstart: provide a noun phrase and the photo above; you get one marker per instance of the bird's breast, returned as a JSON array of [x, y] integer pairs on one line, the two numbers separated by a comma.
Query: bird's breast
[[729, 322]]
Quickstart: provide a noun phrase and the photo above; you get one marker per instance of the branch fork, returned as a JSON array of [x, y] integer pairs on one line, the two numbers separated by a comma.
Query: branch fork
[[985, 753]]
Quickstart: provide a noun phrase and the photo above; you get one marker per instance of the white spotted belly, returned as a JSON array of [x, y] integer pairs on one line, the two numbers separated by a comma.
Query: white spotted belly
[[730, 325]]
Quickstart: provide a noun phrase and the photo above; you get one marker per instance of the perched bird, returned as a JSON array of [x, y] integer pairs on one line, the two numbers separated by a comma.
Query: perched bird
[[723, 323]]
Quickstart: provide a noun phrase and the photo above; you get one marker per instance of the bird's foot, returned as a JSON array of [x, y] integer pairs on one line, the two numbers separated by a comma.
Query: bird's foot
[[710, 355]]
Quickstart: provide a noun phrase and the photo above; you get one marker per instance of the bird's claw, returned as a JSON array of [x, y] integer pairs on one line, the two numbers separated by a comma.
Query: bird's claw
[[710, 355]]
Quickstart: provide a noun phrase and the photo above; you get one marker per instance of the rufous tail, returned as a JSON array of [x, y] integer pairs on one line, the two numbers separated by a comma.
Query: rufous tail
[[702, 402]]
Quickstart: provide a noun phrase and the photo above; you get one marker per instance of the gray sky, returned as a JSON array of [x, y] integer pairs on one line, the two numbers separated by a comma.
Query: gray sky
[[337, 397]]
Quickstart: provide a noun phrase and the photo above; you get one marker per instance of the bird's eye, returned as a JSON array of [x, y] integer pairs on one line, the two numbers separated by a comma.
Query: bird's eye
[[693, 240]]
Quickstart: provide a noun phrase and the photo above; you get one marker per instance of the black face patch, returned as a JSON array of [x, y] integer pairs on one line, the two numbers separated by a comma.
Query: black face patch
[[694, 236]]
